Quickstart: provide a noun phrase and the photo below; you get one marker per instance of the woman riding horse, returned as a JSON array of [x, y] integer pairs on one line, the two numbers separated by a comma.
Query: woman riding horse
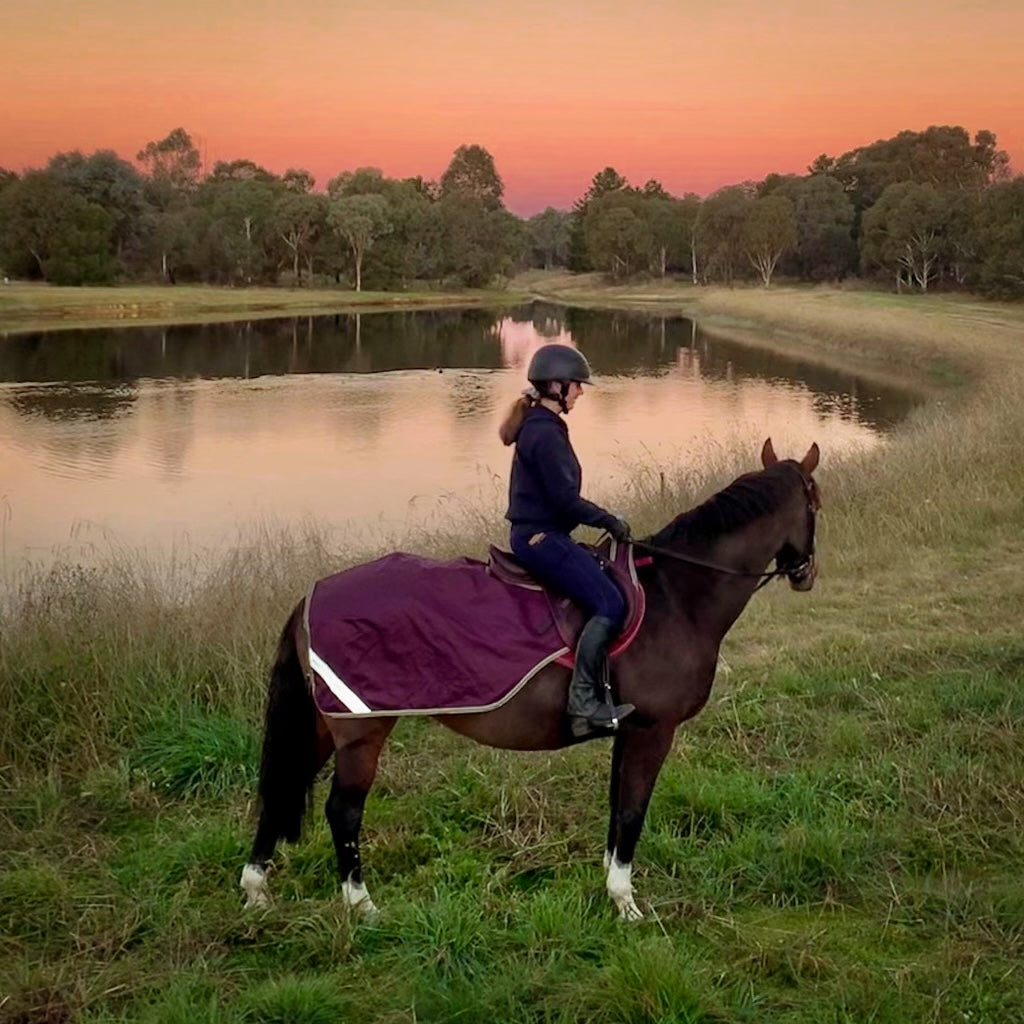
[[545, 506], [707, 563]]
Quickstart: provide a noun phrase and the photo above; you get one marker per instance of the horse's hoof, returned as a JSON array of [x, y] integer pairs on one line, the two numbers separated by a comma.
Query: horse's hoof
[[630, 912], [368, 911]]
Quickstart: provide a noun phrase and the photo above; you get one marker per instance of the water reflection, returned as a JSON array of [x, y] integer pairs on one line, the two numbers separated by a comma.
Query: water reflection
[[615, 343], [157, 433], [99, 402]]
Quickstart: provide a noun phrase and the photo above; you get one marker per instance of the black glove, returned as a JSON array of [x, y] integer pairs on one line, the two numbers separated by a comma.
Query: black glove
[[620, 530]]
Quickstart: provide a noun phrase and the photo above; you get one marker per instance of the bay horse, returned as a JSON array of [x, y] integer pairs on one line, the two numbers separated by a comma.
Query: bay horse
[[705, 566]]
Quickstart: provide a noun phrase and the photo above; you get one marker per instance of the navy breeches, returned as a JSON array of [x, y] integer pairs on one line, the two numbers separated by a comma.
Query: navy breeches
[[560, 562]]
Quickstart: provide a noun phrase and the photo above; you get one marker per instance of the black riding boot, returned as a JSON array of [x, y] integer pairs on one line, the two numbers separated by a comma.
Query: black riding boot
[[590, 708]]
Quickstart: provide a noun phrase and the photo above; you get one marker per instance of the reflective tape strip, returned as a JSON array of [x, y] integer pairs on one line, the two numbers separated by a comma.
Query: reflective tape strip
[[336, 686]]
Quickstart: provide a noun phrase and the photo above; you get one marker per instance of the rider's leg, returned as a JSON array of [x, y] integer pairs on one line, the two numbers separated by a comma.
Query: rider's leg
[[558, 560]]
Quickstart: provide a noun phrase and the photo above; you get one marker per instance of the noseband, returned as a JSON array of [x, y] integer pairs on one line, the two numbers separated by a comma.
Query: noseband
[[796, 574]]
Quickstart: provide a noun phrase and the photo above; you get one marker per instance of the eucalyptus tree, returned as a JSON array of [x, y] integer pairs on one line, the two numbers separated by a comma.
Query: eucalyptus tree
[[719, 231], [7, 178], [238, 199], [298, 181], [902, 233], [52, 233], [618, 233], [360, 220], [768, 231], [773, 183], [999, 240], [363, 181], [824, 249], [108, 181], [481, 239], [478, 244], [297, 218], [549, 237], [471, 174], [942, 156], [413, 247], [653, 189], [171, 168], [959, 252], [422, 223], [605, 182], [670, 240], [172, 163], [686, 213]]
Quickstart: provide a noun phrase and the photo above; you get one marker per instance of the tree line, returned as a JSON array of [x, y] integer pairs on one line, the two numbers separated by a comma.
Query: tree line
[[916, 211]]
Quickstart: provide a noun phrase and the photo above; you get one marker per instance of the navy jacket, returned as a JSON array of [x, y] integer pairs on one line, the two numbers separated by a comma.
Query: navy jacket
[[544, 487]]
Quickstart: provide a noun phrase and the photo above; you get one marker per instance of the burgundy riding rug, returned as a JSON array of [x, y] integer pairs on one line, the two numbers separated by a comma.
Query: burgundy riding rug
[[406, 635]]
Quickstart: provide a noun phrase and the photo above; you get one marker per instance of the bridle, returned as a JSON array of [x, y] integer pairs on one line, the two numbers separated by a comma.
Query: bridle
[[796, 574]]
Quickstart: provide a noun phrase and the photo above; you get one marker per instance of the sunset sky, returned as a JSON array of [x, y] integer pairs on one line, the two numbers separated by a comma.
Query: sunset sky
[[695, 95]]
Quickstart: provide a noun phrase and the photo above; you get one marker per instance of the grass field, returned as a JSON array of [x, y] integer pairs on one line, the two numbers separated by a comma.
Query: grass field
[[836, 838], [33, 307]]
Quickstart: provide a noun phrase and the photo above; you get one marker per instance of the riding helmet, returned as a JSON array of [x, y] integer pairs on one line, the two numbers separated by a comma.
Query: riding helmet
[[558, 362]]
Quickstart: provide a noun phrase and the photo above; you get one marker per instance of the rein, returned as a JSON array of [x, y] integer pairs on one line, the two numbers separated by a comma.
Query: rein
[[764, 577]]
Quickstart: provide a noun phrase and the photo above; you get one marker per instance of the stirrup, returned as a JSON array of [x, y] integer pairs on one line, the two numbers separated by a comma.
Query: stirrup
[[596, 724]]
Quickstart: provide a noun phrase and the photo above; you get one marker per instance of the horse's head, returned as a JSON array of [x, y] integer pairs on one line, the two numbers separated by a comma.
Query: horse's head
[[795, 558]]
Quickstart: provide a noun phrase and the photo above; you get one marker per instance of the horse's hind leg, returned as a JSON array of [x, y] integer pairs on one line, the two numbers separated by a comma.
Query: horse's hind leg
[[296, 743], [359, 743], [270, 828]]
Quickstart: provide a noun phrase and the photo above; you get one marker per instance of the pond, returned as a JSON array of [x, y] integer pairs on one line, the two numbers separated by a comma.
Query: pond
[[164, 436]]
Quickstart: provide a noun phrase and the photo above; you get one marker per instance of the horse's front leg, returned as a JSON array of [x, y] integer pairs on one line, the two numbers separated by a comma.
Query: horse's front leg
[[355, 767], [613, 800], [640, 758]]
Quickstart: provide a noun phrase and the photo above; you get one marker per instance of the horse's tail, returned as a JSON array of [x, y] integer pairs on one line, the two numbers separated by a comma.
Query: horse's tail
[[289, 762]]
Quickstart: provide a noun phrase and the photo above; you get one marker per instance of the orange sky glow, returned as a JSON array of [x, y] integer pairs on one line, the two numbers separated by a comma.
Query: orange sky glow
[[695, 95]]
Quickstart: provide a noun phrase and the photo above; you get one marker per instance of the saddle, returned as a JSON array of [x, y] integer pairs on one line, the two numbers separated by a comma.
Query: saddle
[[617, 560]]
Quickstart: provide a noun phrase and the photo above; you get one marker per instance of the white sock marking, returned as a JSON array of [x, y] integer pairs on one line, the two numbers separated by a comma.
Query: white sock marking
[[620, 887], [254, 885], [358, 898]]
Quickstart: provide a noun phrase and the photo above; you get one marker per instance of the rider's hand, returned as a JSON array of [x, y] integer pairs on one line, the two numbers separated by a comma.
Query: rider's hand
[[620, 530]]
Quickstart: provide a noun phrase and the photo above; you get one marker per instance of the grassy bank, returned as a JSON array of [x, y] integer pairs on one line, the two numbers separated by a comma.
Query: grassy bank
[[33, 307], [837, 837], [939, 339]]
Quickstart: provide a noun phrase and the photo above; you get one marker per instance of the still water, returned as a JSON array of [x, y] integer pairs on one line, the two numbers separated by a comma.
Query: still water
[[371, 423]]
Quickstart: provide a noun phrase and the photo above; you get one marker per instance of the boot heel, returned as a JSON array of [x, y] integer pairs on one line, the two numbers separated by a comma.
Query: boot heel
[[581, 728]]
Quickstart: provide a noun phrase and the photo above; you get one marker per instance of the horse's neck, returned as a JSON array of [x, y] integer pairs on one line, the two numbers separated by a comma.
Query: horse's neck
[[750, 548], [717, 601]]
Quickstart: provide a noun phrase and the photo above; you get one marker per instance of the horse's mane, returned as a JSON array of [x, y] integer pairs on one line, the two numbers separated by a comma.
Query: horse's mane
[[747, 498]]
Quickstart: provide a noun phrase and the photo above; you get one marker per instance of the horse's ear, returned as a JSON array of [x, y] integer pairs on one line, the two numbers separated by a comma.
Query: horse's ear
[[809, 463], [768, 456]]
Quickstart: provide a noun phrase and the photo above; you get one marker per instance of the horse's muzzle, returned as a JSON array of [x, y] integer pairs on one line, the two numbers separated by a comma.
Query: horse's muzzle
[[802, 577]]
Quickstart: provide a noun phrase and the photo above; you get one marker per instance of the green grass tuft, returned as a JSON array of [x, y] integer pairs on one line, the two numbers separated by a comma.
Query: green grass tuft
[[188, 752], [295, 1000]]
